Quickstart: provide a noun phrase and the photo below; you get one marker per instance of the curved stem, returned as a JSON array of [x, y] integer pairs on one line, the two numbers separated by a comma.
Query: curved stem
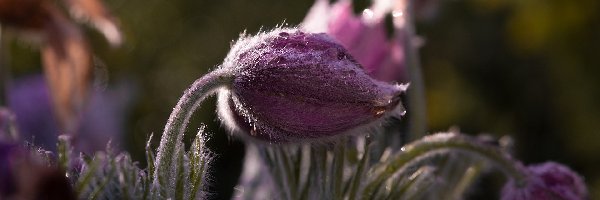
[[165, 168], [416, 92], [360, 170], [446, 141], [468, 178]]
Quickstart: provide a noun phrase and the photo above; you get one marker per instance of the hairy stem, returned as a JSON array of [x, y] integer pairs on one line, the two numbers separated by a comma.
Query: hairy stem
[[338, 169], [360, 170], [446, 141], [165, 168], [468, 178]]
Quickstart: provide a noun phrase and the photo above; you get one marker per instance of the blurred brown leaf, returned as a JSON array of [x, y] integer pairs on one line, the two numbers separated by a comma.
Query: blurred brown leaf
[[24, 14], [95, 12], [67, 65], [65, 52]]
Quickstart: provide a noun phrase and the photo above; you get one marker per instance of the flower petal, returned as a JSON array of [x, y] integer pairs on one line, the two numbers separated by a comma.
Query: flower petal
[[317, 18], [364, 36]]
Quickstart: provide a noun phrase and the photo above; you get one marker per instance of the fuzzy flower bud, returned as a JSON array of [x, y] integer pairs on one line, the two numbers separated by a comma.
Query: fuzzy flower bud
[[293, 86], [548, 180]]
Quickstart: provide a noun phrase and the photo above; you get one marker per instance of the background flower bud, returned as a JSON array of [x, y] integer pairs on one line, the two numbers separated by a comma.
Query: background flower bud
[[289, 86], [548, 180]]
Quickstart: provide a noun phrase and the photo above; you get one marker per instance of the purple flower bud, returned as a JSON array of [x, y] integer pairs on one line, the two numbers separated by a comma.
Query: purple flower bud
[[291, 86], [548, 180]]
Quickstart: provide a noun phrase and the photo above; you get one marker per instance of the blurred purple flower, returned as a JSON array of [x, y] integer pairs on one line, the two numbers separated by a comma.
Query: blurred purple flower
[[24, 175], [294, 86], [7, 126], [364, 36], [29, 99], [548, 180], [102, 120], [7, 152]]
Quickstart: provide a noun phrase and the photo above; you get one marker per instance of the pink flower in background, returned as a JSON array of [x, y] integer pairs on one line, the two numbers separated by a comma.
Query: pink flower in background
[[548, 180], [364, 36]]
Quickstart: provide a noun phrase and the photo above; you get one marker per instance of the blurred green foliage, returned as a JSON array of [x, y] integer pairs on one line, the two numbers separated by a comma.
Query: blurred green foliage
[[524, 68], [528, 69]]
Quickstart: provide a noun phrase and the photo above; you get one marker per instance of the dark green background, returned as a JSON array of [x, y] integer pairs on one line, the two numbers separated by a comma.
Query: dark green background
[[528, 69]]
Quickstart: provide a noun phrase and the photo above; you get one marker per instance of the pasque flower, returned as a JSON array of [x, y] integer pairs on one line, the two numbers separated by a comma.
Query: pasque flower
[[65, 52], [364, 36], [282, 86], [290, 86], [548, 180]]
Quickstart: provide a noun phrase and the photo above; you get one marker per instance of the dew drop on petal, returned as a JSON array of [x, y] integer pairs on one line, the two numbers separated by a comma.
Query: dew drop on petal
[[379, 110], [284, 34], [403, 113], [254, 131]]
